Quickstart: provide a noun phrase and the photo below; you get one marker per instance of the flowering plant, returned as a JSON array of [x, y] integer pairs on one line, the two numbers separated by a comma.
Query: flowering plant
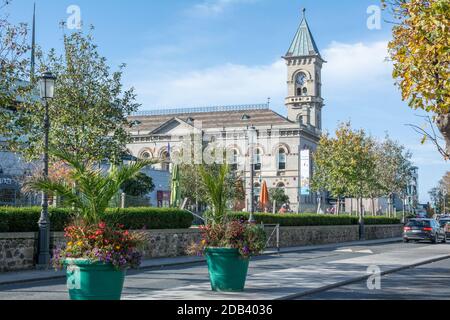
[[249, 239], [101, 243]]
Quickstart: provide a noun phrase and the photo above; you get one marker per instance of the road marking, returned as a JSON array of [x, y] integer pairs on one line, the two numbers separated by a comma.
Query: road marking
[[344, 250], [365, 251], [354, 251]]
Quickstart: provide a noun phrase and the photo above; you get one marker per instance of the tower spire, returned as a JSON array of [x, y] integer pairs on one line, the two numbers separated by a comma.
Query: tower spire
[[303, 43], [33, 44]]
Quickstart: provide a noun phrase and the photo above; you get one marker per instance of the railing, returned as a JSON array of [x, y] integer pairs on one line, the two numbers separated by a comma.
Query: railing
[[201, 110], [276, 233]]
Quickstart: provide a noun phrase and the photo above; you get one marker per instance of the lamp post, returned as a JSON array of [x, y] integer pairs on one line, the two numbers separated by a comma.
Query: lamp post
[[47, 90], [251, 129]]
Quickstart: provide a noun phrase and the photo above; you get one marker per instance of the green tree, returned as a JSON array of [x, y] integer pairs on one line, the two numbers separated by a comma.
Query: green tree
[[392, 169], [138, 186], [13, 64], [89, 112], [278, 195], [420, 50], [345, 165], [193, 187], [324, 169], [440, 195]]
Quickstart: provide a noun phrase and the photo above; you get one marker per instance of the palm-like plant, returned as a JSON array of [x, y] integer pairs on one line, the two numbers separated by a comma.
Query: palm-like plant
[[93, 189], [215, 185]]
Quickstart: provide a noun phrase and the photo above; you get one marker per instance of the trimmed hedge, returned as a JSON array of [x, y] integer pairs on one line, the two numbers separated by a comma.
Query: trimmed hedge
[[296, 220], [381, 220], [151, 218], [25, 219]]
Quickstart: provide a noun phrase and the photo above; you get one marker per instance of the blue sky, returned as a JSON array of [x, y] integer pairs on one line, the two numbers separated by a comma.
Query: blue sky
[[182, 53]]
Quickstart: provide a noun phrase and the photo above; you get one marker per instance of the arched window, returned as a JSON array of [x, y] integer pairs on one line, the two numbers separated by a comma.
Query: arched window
[[281, 159], [305, 91], [281, 186], [234, 160], [165, 161], [299, 91], [257, 160], [146, 155]]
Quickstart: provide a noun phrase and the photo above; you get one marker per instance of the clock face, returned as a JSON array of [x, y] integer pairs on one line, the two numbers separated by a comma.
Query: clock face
[[301, 79]]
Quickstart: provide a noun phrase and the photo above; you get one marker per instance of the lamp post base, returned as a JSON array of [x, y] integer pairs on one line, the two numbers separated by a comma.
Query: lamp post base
[[43, 257]]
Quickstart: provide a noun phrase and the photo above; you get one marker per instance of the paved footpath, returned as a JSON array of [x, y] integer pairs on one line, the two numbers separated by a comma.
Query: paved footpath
[[289, 275]]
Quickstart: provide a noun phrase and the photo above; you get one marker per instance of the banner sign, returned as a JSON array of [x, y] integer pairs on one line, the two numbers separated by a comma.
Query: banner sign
[[7, 181], [305, 177]]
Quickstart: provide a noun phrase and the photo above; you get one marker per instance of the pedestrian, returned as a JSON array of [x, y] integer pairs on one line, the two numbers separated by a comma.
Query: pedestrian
[[283, 209]]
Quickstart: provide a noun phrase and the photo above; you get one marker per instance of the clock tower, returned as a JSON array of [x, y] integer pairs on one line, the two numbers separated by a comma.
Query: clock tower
[[304, 62]]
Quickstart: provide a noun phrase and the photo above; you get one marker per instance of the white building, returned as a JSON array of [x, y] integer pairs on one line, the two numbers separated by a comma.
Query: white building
[[275, 140]]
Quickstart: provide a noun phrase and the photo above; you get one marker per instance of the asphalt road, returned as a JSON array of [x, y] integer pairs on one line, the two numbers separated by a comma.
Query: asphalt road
[[428, 282], [154, 281]]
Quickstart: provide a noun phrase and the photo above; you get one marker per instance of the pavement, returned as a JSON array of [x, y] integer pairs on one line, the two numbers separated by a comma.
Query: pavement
[[49, 274], [294, 274]]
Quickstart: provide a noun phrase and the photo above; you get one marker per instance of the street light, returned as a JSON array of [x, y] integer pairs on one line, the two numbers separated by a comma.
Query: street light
[[247, 118], [47, 91]]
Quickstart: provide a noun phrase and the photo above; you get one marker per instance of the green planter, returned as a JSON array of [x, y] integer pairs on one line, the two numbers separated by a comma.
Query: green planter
[[227, 269], [93, 281]]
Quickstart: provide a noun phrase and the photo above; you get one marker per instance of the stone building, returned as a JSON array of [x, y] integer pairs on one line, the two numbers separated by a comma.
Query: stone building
[[281, 145]]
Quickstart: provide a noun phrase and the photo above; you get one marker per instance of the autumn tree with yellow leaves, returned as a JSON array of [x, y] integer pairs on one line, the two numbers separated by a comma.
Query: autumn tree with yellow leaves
[[420, 52]]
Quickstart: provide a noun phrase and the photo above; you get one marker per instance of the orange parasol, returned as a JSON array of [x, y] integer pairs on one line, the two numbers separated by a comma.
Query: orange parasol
[[264, 197]]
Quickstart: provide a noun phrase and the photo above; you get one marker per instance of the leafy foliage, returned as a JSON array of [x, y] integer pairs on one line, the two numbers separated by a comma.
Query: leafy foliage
[[193, 187], [13, 64], [440, 195], [215, 185], [420, 50], [88, 113], [249, 239], [344, 165], [138, 186], [278, 195], [93, 190]]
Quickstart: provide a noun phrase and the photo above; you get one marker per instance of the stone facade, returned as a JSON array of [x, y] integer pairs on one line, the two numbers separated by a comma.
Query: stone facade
[[17, 250]]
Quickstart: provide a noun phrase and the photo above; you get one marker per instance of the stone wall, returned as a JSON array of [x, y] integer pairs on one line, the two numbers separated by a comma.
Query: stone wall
[[304, 236], [383, 231], [18, 250]]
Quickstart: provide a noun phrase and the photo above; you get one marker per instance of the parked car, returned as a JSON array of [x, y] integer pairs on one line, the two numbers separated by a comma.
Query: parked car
[[445, 224], [424, 229]]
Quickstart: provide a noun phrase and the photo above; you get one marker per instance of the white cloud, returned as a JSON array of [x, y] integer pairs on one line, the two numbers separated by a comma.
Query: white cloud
[[352, 71], [214, 7], [227, 84], [360, 66]]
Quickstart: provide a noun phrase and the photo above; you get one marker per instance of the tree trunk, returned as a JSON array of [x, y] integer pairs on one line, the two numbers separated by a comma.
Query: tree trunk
[[373, 207], [443, 124]]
